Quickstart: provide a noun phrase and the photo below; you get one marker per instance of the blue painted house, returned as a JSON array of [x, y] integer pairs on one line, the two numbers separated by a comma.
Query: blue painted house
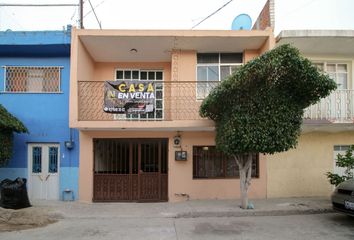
[[34, 87]]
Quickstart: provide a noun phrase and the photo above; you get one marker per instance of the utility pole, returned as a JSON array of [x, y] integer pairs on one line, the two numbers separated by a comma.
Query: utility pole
[[81, 10]]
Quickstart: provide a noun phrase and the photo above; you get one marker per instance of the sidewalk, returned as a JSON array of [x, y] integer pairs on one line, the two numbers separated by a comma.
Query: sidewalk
[[197, 219], [187, 209]]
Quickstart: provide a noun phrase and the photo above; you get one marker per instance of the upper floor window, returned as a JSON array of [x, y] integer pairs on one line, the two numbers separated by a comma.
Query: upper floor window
[[150, 75], [144, 75], [337, 71], [32, 79], [214, 67]]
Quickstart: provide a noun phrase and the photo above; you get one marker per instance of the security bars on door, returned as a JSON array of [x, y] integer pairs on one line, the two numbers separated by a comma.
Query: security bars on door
[[121, 156], [130, 170]]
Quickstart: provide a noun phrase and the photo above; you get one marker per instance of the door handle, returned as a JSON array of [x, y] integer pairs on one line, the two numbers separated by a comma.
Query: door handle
[[46, 178]]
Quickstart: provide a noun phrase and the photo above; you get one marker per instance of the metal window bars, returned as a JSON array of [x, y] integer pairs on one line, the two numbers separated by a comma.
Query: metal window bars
[[32, 79]]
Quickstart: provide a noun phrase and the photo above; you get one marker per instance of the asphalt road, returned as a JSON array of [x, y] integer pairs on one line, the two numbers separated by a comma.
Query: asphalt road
[[317, 226]]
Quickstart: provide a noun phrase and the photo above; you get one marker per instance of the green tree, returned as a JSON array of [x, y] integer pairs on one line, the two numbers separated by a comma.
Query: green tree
[[259, 108], [8, 125], [345, 161]]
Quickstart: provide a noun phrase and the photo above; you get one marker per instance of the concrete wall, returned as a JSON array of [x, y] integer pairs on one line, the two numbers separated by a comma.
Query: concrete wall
[[301, 171], [106, 71]]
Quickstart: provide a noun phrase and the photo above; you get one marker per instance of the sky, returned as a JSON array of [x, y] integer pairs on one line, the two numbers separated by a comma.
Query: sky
[[177, 14]]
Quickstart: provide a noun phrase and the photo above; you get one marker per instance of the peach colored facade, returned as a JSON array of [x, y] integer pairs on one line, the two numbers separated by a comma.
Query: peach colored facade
[[180, 179], [96, 54]]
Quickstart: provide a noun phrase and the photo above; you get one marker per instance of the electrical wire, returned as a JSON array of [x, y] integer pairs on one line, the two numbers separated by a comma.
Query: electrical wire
[[306, 4], [12, 18], [37, 5], [212, 14], [94, 8], [99, 23]]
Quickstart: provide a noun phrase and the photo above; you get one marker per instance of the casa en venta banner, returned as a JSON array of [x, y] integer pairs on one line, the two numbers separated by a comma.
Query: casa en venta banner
[[122, 97]]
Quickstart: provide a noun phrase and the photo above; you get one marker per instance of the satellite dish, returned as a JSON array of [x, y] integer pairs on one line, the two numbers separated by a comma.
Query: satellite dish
[[242, 22]]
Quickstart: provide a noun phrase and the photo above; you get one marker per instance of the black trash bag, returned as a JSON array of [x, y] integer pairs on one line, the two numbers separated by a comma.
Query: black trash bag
[[14, 194]]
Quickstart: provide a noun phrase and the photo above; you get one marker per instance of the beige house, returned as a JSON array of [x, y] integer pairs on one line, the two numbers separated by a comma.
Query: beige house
[[328, 127]]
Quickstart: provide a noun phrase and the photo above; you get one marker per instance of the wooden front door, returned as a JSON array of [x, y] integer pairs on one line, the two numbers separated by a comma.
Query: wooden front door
[[130, 170]]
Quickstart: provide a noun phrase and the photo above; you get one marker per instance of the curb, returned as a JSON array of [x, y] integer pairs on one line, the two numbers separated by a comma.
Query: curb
[[252, 213]]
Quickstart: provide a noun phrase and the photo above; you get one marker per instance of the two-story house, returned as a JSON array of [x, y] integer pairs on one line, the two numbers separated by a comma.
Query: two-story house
[[34, 87], [135, 97], [328, 127]]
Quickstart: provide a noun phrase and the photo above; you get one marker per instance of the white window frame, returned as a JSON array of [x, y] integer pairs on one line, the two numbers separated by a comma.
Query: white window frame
[[336, 63], [219, 65], [341, 149], [34, 67], [124, 116]]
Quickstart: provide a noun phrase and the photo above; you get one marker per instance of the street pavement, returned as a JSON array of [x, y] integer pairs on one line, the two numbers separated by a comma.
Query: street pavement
[[293, 218]]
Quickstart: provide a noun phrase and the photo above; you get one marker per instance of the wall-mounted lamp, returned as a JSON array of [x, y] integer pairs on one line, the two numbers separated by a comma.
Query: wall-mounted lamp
[[205, 148], [177, 141]]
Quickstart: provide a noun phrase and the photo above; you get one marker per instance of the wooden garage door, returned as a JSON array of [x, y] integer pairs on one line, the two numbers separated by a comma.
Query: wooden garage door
[[130, 170]]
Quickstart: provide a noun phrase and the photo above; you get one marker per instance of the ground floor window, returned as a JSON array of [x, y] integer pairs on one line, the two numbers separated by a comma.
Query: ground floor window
[[210, 163], [339, 149]]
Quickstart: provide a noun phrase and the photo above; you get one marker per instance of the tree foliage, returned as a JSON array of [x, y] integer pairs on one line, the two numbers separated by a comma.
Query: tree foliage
[[8, 125], [344, 161], [259, 108]]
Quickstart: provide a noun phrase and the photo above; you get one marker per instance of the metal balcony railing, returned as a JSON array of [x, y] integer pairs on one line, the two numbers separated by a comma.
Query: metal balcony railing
[[181, 101], [174, 101], [337, 107]]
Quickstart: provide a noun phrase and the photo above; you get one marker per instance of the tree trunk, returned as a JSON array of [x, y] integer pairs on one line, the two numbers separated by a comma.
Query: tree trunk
[[244, 162]]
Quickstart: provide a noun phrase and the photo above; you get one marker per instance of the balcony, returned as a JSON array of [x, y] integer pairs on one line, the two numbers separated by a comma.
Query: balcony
[[181, 101], [174, 101], [336, 108]]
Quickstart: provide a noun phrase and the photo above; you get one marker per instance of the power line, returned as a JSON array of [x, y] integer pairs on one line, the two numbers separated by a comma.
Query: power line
[[37, 5], [12, 18], [310, 2], [99, 23], [47, 5], [94, 8], [212, 14]]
